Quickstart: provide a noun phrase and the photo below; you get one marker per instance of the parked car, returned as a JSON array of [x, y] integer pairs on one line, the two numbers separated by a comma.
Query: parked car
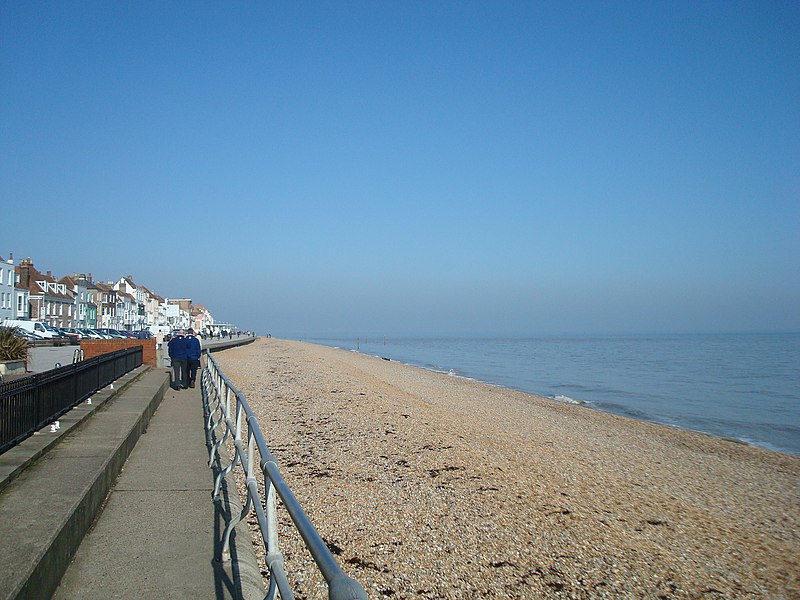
[[112, 333], [38, 327], [65, 335], [57, 332], [31, 337], [90, 334]]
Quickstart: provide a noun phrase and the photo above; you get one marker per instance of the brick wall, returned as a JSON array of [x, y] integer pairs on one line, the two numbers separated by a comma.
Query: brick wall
[[93, 348]]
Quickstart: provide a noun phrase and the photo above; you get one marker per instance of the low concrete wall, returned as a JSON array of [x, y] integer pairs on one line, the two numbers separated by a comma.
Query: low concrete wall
[[213, 346]]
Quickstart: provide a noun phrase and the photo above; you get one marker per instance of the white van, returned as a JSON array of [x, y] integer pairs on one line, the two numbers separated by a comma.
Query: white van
[[41, 329]]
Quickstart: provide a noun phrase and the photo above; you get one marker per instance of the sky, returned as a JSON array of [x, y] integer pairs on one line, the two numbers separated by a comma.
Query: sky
[[313, 169]]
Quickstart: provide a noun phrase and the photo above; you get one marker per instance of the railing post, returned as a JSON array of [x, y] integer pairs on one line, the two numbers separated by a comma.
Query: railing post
[[340, 586], [36, 402]]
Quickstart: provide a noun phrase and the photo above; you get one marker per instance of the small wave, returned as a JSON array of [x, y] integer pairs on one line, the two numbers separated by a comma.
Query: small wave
[[566, 399], [452, 373]]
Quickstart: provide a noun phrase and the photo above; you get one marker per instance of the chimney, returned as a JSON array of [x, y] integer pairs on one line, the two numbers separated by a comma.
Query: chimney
[[24, 271], [11, 258], [49, 273]]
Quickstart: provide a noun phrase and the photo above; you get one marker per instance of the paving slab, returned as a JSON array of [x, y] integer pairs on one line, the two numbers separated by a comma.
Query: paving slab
[[50, 503], [16, 459], [159, 533]]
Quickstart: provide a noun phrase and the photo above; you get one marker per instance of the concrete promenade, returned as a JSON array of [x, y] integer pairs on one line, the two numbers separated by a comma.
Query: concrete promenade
[[158, 532]]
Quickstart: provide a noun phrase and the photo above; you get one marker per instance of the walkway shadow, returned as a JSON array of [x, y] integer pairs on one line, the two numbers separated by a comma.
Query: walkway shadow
[[239, 578]]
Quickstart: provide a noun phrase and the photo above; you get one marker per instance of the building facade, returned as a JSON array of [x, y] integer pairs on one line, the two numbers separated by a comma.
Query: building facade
[[48, 299], [80, 302], [78, 288], [7, 283]]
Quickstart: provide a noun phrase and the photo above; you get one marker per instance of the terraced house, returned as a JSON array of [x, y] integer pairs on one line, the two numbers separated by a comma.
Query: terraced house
[[7, 278], [137, 317], [77, 301], [85, 312], [107, 306], [48, 299], [20, 296]]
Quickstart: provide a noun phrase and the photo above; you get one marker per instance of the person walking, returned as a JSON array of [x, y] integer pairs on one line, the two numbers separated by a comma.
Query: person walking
[[178, 353], [193, 351]]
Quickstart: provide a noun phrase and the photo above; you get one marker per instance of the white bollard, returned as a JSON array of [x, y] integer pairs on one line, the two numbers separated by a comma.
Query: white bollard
[[88, 401]]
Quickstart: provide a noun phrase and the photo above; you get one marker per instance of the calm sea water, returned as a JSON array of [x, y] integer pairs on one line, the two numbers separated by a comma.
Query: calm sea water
[[739, 386]]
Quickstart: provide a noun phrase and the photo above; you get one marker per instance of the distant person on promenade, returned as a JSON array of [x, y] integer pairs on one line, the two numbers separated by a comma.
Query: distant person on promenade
[[193, 352], [178, 353]]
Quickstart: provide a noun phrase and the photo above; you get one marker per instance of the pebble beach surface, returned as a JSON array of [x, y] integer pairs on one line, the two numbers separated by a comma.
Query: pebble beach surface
[[426, 485]]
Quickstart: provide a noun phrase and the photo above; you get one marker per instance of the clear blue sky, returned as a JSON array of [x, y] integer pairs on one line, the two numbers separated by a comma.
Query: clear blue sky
[[370, 168]]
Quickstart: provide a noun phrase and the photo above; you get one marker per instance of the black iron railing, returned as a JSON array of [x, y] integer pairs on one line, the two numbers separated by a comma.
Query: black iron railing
[[30, 403]]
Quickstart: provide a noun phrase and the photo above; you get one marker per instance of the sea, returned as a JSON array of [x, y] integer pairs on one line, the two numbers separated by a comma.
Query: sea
[[744, 387]]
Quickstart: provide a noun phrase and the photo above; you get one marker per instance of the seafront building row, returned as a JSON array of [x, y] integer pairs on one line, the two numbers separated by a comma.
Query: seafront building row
[[79, 301]]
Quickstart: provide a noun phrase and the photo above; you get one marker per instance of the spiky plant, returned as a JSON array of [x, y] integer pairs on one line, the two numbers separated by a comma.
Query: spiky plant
[[12, 346]]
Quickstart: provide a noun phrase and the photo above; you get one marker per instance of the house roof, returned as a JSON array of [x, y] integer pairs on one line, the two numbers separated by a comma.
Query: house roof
[[33, 279]]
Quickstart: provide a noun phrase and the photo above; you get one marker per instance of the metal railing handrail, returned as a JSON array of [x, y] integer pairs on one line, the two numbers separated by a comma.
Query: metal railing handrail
[[218, 394]]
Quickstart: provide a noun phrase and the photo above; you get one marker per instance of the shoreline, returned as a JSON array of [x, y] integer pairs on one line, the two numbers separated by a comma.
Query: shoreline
[[429, 485], [571, 401]]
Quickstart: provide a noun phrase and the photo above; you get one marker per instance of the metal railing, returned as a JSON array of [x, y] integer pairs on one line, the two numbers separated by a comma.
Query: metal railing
[[226, 406], [30, 403]]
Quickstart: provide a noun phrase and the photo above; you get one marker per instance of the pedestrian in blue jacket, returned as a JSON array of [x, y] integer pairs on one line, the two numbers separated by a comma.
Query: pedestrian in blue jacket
[[178, 351], [193, 352]]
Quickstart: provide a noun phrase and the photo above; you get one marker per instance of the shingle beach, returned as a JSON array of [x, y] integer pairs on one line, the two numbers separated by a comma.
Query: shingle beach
[[426, 485]]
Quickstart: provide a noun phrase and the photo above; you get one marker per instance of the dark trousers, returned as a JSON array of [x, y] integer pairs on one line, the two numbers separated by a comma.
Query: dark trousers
[[193, 364], [180, 373]]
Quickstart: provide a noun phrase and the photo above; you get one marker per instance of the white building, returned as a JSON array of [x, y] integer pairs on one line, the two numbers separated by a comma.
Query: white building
[[7, 295], [77, 286], [178, 312], [139, 294]]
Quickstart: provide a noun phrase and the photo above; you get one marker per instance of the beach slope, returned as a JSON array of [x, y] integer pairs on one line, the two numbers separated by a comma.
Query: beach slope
[[426, 485]]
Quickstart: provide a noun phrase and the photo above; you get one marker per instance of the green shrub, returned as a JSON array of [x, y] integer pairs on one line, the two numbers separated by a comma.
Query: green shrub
[[12, 346]]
